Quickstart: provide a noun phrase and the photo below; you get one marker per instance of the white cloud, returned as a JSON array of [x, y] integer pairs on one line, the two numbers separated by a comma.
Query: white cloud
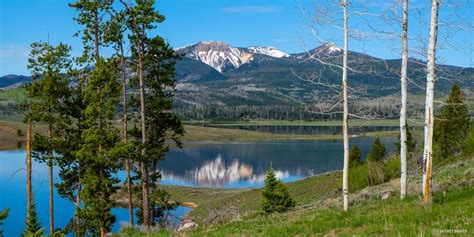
[[252, 9]]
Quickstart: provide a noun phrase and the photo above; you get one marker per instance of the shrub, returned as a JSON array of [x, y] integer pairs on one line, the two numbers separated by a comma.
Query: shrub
[[392, 168], [470, 140], [19, 133], [276, 197], [376, 173], [358, 177]]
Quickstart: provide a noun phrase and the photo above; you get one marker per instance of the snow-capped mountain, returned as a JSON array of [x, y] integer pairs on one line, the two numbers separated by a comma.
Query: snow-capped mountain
[[218, 55], [224, 57], [325, 50], [270, 51]]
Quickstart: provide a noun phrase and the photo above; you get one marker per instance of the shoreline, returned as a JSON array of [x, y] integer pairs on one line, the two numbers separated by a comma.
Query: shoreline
[[9, 139]]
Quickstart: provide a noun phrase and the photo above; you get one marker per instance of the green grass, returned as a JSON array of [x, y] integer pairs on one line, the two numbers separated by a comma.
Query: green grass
[[390, 217], [352, 122], [9, 138], [198, 133], [248, 200], [16, 95], [8, 134]]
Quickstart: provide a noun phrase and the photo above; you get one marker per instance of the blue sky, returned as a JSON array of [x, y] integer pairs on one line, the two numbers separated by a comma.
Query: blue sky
[[278, 23]]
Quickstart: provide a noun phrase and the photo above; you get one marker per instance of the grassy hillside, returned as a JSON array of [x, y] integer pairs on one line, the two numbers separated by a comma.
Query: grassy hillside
[[392, 217], [319, 209]]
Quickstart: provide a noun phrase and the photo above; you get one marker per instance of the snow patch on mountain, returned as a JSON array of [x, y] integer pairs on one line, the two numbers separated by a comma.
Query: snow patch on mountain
[[218, 55], [224, 57], [332, 48], [270, 51]]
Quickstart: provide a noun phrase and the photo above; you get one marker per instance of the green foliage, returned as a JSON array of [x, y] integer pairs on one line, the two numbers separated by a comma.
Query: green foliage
[[470, 140], [157, 58], [99, 139], [33, 226], [377, 152], [275, 195], [452, 125], [355, 157], [392, 168], [93, 16], [411, 142], [358, 177], [47, 93], [3, 216], [19, 133], [376, 173], [161, 205], [67, 148], [390, 217]]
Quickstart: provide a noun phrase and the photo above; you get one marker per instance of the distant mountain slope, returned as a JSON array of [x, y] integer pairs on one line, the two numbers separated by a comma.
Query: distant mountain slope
[[12, 81], [268, 86], [218, 74]]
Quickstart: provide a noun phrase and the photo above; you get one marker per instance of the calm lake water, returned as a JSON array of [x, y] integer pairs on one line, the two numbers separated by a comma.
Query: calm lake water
[[227, 165], [13, 196]]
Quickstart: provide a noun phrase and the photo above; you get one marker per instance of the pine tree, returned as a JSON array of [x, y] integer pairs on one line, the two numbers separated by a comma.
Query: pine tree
[[155, 57], [100, 138], [33, 226], [115, 35], [92, 15], [69, 165], [47, 93], [355, 156], [452, 125], [276, 197], [100, 95], [377, 152], [3, 216]]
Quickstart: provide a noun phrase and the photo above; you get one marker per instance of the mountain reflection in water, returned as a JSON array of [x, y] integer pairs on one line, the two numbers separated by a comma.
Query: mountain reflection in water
[[216, 173], [240, 165]]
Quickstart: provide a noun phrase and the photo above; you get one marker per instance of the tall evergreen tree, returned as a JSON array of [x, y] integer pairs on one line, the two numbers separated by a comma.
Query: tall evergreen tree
[[92, 14], [115, 35], [47, 93], [161, 124], [452, 125], [153, 61], [100, 94], [276, 197], [377, 152], [355, 156], [100, 138], [70, 165]]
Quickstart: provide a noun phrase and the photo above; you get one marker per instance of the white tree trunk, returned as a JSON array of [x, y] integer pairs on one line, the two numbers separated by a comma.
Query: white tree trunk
[[403, 109], [429, 117], [345, 172]]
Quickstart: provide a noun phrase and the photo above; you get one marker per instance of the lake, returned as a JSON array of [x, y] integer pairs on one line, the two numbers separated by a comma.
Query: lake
[[226, 165]]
